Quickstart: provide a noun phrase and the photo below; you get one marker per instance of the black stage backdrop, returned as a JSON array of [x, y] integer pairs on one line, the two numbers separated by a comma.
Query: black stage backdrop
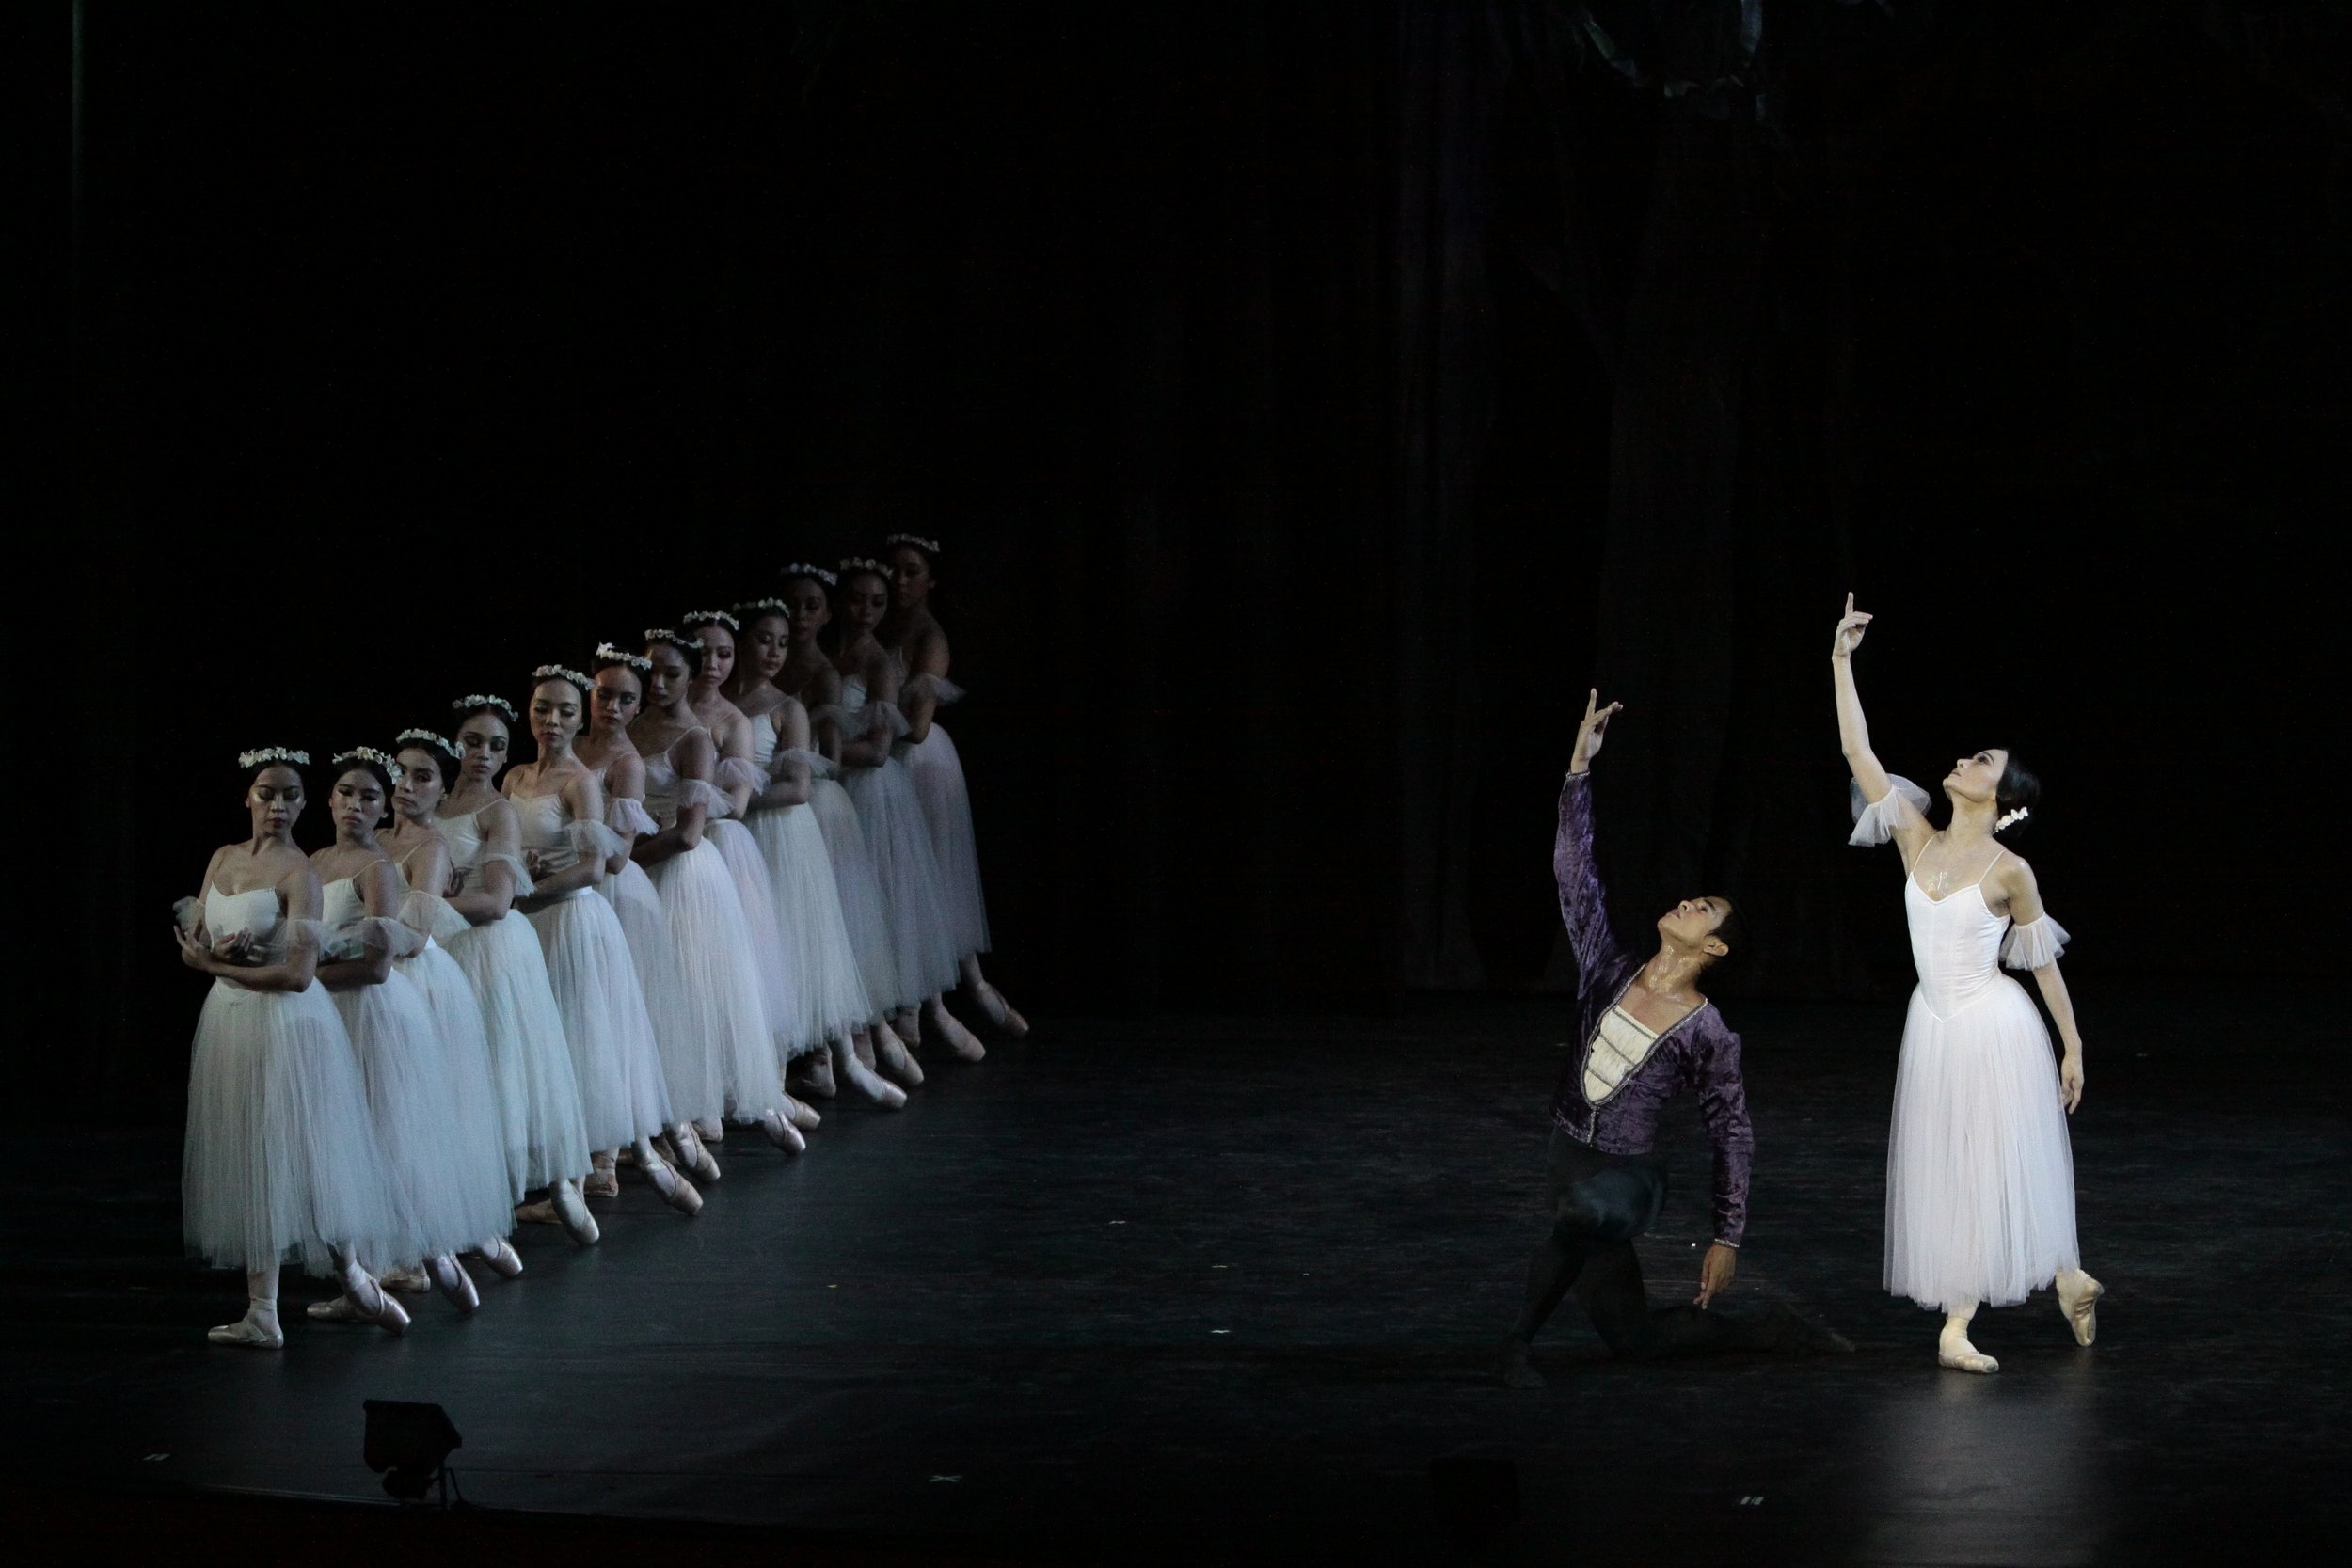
[[1312, 400]]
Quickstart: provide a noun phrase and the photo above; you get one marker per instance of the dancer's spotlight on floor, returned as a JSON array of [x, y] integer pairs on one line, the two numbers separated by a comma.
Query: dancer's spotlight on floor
[[409, 1444]]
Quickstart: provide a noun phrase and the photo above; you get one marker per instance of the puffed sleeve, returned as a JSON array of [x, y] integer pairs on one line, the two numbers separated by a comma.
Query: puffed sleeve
[[1874, 822], [2035, 944], [624, 815], [939, 689], [591, 841], [818, 765], [696, 792], [1723, 1106], [739, 773], [430, 913]]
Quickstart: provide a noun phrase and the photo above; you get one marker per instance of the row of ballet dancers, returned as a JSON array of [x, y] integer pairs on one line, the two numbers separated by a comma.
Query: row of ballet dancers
[[738, 873]]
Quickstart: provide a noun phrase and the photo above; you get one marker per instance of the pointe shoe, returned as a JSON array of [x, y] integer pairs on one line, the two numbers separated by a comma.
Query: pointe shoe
[[801, 1114], [959, 1040], [863, 1049], [675, 1191], [1962, 1357], [890, 1056], [783, 1134], [816, 1077], [409, 1280], [1000, 1012], [374, 1303], [908, 1027], [256, 1330], [541, 1212], [691, 1155], [2082, 1308], [880, 1090], [339, 1309], [451, 1279], [504, 1260], [711, 1130], [604, 1181], [573, 1214]]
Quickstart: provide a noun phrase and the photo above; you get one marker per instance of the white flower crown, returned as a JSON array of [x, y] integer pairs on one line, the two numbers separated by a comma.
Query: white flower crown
[[802, 569], [706, 617], [752, 610], [273, 754], [472, 701], [867, 563], [674, 637], [405, 736], [365, 753], [608, 654], [2008, 819], [562, 673], [928, 547]]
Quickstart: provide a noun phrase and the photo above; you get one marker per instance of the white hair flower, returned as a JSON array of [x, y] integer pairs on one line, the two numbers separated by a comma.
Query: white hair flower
[[364, 754], [608, 654], [273, 754], [802, 569], [928, 547], [562, 673], [2011, 818], [710, 617], [469, 703]]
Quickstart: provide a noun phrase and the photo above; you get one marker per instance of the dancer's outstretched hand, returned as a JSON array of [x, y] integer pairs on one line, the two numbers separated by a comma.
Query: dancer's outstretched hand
[[1592, 730], [2070, 1080], [1849, 631], [1715, 1271]]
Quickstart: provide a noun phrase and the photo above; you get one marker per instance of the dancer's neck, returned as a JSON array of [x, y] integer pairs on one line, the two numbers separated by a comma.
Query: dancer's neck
[[1972, 821]]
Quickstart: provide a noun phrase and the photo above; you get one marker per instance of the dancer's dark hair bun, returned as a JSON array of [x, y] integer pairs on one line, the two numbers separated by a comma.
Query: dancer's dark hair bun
[[2018, 794]]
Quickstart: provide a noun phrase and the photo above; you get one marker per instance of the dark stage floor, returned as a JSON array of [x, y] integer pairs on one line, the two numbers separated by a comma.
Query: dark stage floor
[[1222, 1291]]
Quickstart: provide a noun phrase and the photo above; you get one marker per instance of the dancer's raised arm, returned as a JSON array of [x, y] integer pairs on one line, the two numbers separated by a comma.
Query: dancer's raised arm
[[1584, 904], [1910, 828]]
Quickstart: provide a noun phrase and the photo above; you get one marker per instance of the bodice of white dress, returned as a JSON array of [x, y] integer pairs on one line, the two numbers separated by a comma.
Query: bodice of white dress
[[665, 791], [1955, 945], [251, 913]]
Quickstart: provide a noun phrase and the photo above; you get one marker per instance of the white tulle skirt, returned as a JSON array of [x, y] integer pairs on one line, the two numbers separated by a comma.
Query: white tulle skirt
[[282, 1161], [630, 892], [456, 1197], [901, 844], [861, 912], [731, 1067], [937, 769], [778, 997], [465, 1058], [818, 955], [541, 1127], [622, 1095], [1979, 1172]]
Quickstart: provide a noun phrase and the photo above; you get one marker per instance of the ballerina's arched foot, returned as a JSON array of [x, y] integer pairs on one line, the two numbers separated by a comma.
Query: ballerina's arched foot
[[1000, 1012], [372, 1302], [959, 1040], [816, 1074], [603, 1180], [862, 1047], [572, 1215], [2080, 1304], [801, 1114], [409, 1280], [872, 1086], [1962, 1356], [451, 1279], [892, 1057], [257, 1330], [691, 1155], [782, 1134], [675, 1191], [711, 1130], [504, 1260]]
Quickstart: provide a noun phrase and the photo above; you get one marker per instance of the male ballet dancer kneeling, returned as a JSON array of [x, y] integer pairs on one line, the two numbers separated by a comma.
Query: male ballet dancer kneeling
[[1645, 1034]]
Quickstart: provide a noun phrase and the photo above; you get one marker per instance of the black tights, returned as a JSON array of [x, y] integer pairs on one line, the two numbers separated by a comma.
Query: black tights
[[1599, 1203]]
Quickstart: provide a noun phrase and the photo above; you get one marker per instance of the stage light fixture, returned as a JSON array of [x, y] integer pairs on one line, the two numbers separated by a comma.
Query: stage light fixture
[[409, 1444]]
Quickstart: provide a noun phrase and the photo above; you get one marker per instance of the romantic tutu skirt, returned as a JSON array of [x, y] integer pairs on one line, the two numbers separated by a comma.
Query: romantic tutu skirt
[[819, 959], [630, 892], [727, 1059], [1979, 1173], [862, 913], [455, 1188], [762, 927], [282, 1161], [937, 770], [476, 1131], [900, 844], [593, 977], [541, 1129]]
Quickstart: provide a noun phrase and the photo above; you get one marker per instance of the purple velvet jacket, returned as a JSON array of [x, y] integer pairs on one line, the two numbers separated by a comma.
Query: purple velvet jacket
[[1700, 1052]]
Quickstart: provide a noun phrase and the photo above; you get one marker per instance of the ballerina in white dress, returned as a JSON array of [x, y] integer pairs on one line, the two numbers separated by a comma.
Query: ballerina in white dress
[[559, 811], [611, 756], [1979, 1172], [281, 1163], [912, 634], [808, 674], [424, 764], [896, 834], [729, 1066], [444, 1153], [542, 1124], [820, 963]]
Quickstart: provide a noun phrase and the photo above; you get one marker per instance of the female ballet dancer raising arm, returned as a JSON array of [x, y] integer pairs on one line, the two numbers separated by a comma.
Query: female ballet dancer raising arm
[[723, 1055], [282, 1161], [559, 810], [444, 1153], [896, 834], [607, 753], [808, 674], [741, 776], [543, 1122], [913, 634], [1979, 1173], [821, 966]]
